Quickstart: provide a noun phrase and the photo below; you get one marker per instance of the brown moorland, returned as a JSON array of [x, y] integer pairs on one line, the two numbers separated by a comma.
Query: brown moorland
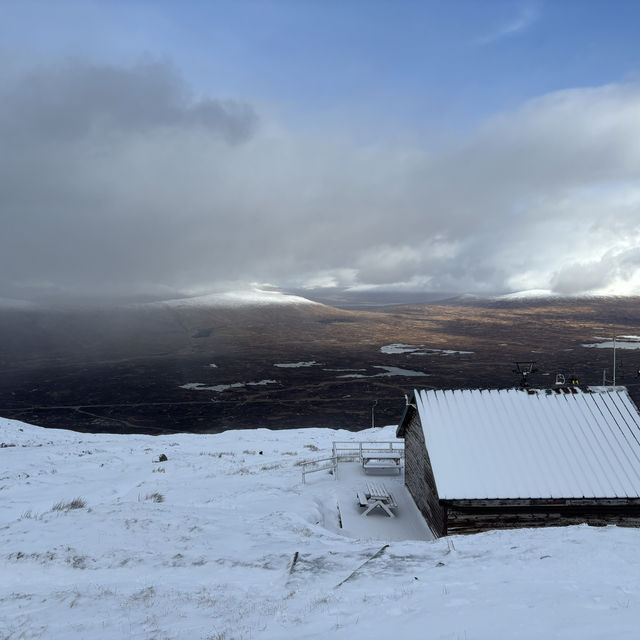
[[123, 369]]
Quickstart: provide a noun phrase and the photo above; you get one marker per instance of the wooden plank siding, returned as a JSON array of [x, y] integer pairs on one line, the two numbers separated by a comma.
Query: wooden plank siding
[[544, 503], [481, 515], [419, 475]]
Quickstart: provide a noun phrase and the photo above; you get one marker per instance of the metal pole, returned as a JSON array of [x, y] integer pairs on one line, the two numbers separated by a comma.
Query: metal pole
[[373, 416], [614, 361]]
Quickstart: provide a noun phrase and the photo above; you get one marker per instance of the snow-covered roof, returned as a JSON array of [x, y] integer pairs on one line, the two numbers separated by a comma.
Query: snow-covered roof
[[511, 443]]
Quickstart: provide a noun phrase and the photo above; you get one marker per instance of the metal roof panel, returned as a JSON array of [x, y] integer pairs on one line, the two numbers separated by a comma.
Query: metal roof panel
[[511, 443]]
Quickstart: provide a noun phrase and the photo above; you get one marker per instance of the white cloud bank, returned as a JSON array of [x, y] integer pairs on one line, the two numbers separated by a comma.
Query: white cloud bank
[[118, 180]]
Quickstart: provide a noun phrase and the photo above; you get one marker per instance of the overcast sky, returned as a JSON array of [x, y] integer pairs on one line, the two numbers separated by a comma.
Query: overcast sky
[[471, 147]]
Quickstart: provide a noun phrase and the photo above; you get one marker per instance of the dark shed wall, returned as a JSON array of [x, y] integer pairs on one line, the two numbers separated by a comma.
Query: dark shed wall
[[471, 516], [419, 478]]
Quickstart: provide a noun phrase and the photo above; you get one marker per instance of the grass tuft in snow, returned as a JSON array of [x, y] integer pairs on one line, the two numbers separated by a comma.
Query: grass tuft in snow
[[243, 471], [143, 595], [76, 503], [28, 515], [154, 497], [219, 454]]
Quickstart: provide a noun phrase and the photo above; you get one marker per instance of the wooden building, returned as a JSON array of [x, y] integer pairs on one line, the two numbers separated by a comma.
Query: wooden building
[[494, 459]]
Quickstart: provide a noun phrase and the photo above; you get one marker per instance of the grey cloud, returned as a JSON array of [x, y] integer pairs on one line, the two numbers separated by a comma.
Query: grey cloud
[[389, 265], [116, 180], [575, 278], [71, 101], [578, 277]]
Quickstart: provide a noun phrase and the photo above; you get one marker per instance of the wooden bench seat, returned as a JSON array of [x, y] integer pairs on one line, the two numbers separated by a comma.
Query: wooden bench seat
[[376, 495], [381, 460]]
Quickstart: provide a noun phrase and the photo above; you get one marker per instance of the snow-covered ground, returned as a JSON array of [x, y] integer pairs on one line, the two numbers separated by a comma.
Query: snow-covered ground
[[296, 365], [388, 372], [528, 294], [102, 540], [418, 350], [201, 386], [624, 342]]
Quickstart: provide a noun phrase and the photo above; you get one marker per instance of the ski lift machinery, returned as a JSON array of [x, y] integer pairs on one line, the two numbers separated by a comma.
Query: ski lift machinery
[[524, 369]]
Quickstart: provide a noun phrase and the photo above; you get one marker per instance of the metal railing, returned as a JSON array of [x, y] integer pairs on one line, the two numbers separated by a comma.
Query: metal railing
[[349, 451], [354, 450], [321, 464]]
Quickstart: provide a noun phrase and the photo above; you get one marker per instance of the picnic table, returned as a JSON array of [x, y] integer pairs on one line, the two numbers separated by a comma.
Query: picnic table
[[381, 460], [376, 495]]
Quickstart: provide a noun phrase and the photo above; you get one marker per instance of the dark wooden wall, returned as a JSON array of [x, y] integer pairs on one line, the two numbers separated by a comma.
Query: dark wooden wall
[[418, 476], [472, 516]]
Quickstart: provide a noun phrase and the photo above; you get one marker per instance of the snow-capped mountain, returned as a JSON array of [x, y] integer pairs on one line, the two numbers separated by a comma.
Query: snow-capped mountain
[[246, 298]]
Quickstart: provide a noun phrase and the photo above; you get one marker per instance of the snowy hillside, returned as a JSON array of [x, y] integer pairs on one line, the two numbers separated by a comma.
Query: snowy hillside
[[248, 298], [100, 539], [549, 294]]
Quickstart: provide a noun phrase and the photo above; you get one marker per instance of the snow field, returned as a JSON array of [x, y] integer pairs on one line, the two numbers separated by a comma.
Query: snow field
[[201, 546]]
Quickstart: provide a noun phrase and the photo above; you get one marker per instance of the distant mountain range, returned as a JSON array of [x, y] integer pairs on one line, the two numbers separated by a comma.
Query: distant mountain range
[[341, 297]]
